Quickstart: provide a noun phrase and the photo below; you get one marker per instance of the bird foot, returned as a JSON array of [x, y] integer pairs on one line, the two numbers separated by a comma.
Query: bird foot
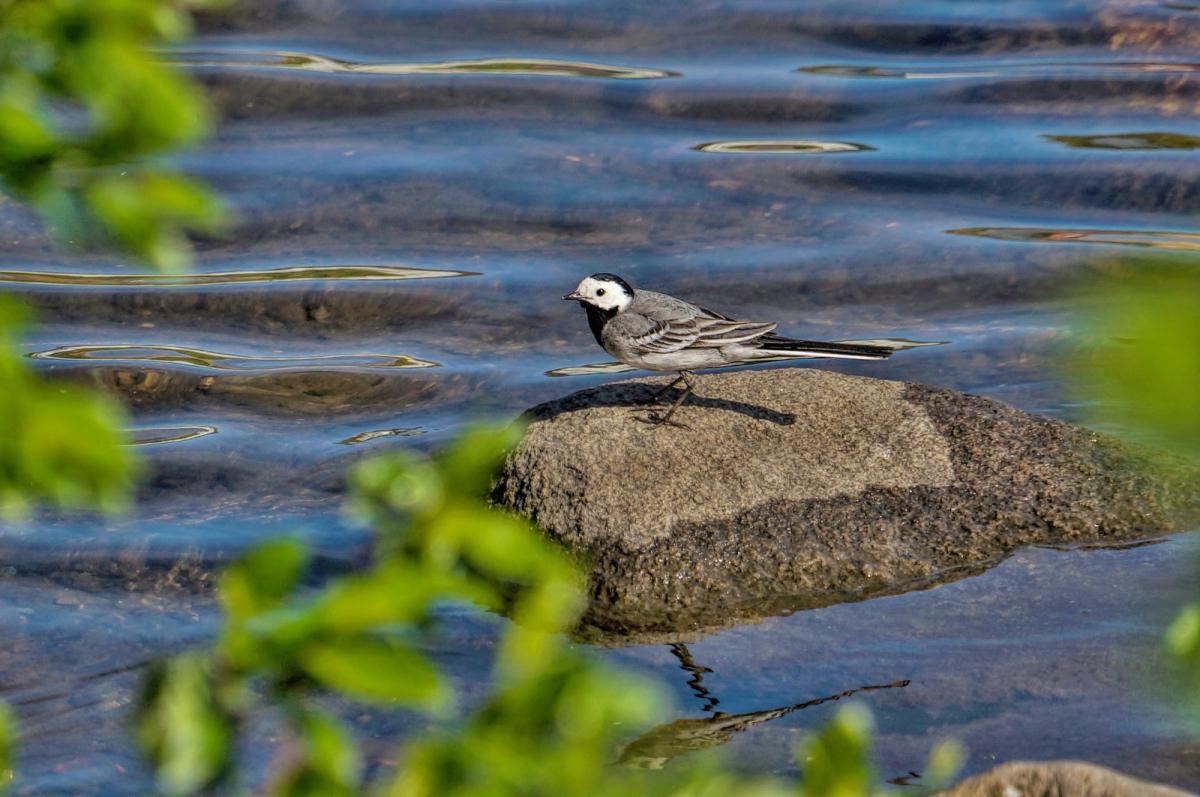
[[659, 419]]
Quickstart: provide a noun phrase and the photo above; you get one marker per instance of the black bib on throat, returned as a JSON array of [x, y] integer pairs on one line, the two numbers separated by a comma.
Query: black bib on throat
[[597, 318]]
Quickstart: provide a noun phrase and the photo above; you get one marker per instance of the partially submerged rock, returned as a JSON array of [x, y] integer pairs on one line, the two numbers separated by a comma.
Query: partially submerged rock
[[1058, 779], [797, 488]]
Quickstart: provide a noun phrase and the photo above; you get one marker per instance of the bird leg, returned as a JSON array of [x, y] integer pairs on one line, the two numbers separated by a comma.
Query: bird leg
[[686, 376], [659, 394]]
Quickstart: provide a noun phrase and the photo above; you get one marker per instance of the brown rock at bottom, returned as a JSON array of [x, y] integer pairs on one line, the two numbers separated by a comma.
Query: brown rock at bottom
[[1058, 779]]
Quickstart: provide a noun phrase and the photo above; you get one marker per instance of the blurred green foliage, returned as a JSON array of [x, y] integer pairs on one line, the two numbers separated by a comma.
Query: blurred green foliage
[[1141, 372], [837, 761], [60, 445], [1183, 645], [7, 735], [88, 111], [553, 720], [548, 722], [1142, 369]]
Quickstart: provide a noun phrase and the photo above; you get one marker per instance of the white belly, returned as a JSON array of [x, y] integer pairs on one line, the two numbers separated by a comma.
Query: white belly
[[686, 360]]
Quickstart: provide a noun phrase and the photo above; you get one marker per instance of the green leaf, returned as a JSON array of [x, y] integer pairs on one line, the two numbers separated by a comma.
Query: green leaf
[[1142, 371], [395, 593], [147, 211], [62, 445], [262, 578], [398, 482], [87, 109], [182, 727], [1183, 635], [27, 138], [501, 545], [374, 669], [514, 558], [328, 764], [836, 760], [331, 751], [470, 465], [8, 737], [945, 760]]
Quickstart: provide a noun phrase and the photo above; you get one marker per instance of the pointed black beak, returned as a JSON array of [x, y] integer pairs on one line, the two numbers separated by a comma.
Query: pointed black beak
[[573, 295]]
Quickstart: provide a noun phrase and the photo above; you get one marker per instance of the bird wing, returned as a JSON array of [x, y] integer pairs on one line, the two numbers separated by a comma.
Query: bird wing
[[706, 331]]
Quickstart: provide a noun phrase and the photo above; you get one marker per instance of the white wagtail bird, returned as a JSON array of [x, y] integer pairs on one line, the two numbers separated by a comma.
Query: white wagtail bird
[[657, 332]]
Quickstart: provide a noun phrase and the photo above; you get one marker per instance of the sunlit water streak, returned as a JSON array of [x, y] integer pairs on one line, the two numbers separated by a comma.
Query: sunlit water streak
[[792, 147], [175, 434], [248, 276], [377, 434], [1177, 241], [311, 62], [1013, 69], [182, 355]]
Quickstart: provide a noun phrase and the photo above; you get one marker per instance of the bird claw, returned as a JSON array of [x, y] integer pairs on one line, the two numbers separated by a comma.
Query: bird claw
[[655, 419]]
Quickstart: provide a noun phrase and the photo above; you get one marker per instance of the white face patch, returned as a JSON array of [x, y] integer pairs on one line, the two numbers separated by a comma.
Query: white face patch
[[602, 293]]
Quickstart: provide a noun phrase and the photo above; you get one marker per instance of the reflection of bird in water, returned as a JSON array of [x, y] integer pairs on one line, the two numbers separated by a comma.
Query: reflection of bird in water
[[680, 651], [653, 749], [906, 779]]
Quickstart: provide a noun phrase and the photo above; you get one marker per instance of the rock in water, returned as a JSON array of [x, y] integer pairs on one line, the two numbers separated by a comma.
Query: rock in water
[[1058, 779], [796, 488]]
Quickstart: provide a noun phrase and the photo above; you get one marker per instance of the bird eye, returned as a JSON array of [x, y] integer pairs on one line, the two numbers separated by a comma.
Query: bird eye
[[600, 292]]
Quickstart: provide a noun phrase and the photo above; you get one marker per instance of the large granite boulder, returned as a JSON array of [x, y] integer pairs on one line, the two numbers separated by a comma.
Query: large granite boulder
[[1058, 779], [796, 488]]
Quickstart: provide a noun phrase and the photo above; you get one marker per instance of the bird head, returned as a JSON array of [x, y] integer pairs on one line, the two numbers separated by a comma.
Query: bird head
[[603, 291]]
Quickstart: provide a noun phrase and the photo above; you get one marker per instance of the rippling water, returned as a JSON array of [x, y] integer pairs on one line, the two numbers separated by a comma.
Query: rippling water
[[417, 184]]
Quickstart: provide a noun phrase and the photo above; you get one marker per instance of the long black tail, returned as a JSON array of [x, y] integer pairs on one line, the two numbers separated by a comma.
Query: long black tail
[[775, 344]]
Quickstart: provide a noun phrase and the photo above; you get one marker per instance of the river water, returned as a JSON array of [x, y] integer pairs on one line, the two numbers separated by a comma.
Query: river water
[[417, 184]]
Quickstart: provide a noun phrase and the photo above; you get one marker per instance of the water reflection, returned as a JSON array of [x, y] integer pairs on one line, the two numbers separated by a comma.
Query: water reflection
[[1134, 141], [230, 277], [658, 746], [593, 369], [183, 355], [783, 147], [168, 434], [363, 437], [998, 70], [839, 70], [696, 683], [1183, 241], [311, 62]]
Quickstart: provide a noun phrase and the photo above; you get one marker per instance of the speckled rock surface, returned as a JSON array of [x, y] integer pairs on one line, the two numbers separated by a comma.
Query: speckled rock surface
[[1057, 779], [795, 488]]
